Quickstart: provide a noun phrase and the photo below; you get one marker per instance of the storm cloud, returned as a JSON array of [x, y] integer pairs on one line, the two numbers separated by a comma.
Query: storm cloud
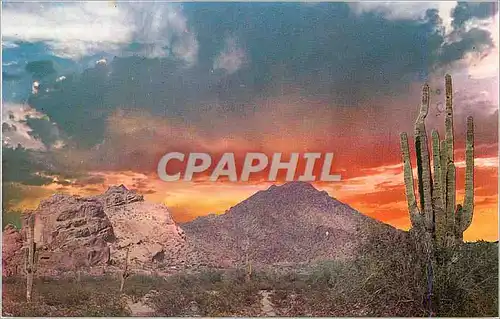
[[214, 68], [466, 11], [325, 50]]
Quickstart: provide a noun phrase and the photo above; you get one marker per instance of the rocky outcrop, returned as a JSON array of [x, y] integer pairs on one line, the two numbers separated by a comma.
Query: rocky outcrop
[[75, 233], [79, 233], [146, 229], [12, 257], [119, 195], [64, 220], [71, 233]]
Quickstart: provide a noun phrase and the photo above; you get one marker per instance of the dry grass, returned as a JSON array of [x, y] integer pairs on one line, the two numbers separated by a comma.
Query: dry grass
[[384, 281], [63, 297]]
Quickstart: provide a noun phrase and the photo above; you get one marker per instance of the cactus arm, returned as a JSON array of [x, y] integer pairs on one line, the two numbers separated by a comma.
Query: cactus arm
[[436, 160], [449, 182], [423, 162], [459, 234], [35, 258], [444, 164], [126, 262], [424, 107], [26, 259], [415, 217], [450, 200], [468, 207], [31, 243], [449, 119]]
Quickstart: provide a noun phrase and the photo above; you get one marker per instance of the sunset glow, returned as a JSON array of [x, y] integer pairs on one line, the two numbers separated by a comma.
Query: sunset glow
[[109, 105]]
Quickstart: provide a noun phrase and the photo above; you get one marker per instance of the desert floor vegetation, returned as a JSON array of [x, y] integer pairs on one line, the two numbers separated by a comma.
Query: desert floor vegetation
[[384, 281]]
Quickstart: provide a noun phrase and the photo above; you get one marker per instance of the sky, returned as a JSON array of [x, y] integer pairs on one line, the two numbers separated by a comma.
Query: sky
[[95, 93]]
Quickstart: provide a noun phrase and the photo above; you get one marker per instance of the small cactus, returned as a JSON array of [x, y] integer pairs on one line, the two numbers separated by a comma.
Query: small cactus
[[31, 256], [248, 261], [125, 273], [248, 276]]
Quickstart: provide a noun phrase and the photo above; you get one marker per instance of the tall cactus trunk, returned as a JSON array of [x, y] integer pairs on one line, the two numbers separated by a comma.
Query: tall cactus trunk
[[438, 191], [30, 259]]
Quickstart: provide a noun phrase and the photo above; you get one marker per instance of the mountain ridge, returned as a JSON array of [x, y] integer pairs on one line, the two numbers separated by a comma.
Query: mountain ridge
[[316, 225]]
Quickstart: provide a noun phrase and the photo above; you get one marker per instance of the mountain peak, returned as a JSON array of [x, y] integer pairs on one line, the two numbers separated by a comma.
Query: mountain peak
[[296, 191], [290, 222], [117, 189], [295, 185], [119, 195]]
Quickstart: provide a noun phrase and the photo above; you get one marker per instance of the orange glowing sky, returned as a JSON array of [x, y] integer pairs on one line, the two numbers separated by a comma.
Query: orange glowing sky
[[379, 193], [367, 156], [349, 87]]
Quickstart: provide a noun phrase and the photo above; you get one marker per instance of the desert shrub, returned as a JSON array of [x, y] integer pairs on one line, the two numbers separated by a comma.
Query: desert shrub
[[264, 279], [212, 276], [14, 288], [137, 286], [388, 280], [63, 297], [214, 293], [24, 309], [173, 301], [468, 285], [398, 279], [105, 305], [226, 300], [382, 281], [177, 295]]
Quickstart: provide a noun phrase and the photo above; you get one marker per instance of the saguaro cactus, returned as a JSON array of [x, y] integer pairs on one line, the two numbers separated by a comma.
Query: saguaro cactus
[[438, 215], [248, 275], [248, 261], [125, 273], [31, 256]]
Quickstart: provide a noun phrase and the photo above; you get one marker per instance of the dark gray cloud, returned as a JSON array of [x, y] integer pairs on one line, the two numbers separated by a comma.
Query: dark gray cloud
[[45, 131], [40, 69], [10, 77], [465, 11], [21, 165], [326, 50], [476, 40], [32, 167]]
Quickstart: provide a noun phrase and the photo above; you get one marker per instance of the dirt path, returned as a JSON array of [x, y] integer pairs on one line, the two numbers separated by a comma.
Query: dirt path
[[140, 308], [267, 308]]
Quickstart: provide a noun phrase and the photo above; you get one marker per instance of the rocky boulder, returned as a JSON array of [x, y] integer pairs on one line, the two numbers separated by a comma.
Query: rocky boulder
[[12, 256], [75, 233], [146, 229], [71, 233]]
